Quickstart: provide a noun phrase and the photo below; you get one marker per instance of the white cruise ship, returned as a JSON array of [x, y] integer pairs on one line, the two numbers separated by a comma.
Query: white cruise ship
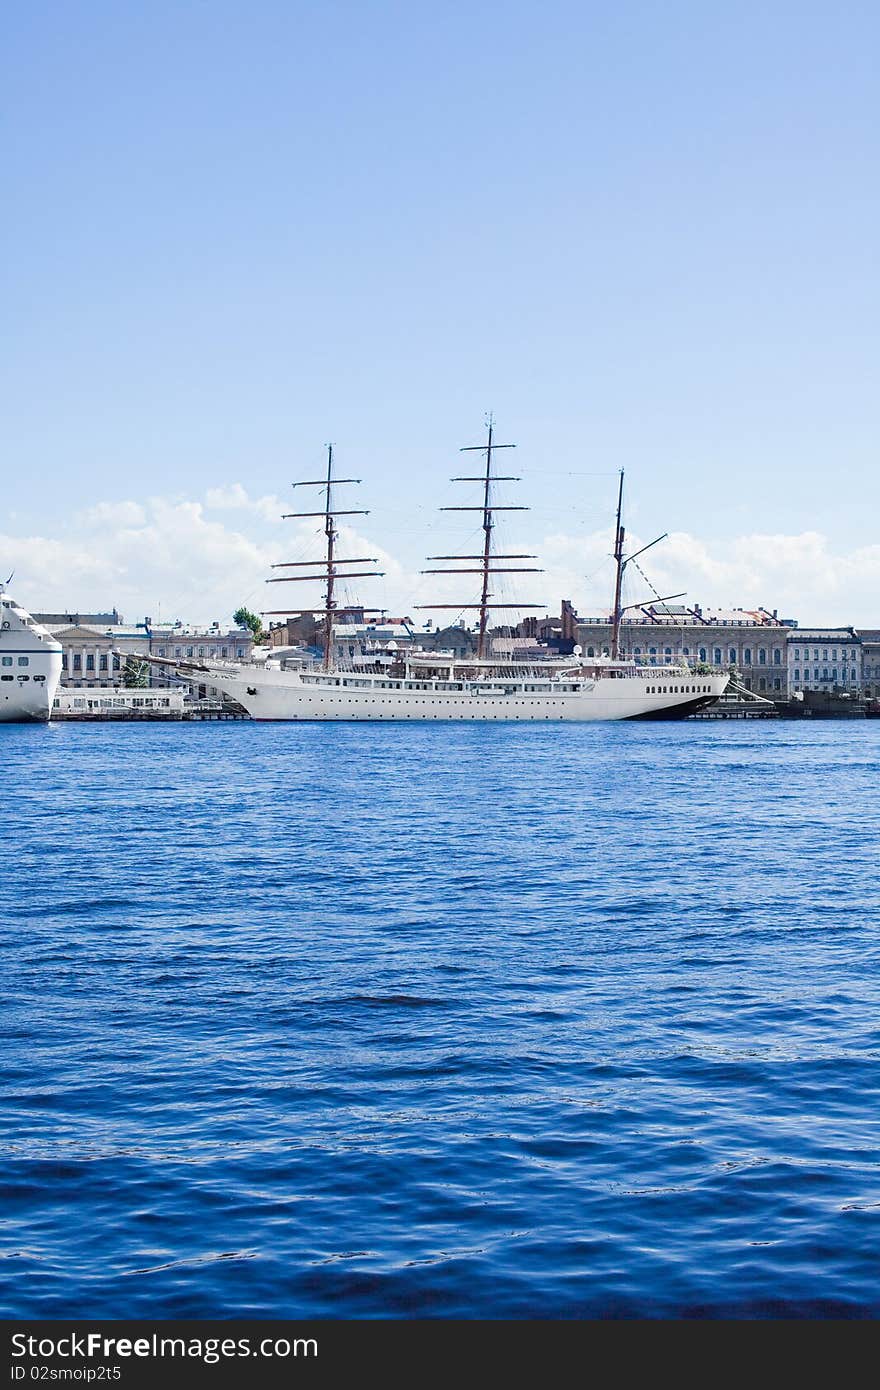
[[427, 686], [436, 686], [30, 665]]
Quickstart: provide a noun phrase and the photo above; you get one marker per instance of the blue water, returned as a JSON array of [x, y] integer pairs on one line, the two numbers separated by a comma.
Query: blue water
[[489, 1021]]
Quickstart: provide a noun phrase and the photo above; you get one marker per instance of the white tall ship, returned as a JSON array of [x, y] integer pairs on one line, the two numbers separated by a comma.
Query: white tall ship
[[426, 686], [30, 664]]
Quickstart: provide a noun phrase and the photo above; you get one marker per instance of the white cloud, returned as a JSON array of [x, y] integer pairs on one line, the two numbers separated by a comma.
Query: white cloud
[[165, 557], [234, 497], [119, 514], [199, 560]]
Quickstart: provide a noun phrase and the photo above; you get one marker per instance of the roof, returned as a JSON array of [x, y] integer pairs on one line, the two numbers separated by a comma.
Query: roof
[[111, 619]]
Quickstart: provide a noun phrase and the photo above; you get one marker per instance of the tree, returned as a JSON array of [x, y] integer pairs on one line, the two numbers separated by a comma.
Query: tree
[[245, 618], [135, 674]]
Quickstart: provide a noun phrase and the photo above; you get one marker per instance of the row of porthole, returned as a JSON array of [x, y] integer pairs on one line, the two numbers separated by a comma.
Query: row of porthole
[[471, 715], [678, 690], [383, 700]]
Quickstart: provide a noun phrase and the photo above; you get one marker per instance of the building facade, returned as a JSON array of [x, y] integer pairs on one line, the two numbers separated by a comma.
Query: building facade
[[752, 643], [96, 656], [825, 658], [870, 661]]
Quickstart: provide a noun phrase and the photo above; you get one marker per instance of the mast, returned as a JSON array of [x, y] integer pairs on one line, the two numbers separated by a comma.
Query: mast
[[621, 561], [486, 568], [331, 561], [487, 545], [330, 533], [620, 564]]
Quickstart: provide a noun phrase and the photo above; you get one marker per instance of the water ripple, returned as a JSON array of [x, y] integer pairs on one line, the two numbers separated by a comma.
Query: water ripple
[[441, 1022]]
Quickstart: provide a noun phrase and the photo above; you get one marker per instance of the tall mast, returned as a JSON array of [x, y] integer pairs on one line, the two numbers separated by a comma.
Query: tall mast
[[329, 513], [487, 543], [330, 533], [486, 568], [618, 578], [621, 561]]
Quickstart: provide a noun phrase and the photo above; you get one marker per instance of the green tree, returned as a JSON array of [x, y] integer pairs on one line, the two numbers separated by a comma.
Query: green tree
[[135, 674], [245, 618]]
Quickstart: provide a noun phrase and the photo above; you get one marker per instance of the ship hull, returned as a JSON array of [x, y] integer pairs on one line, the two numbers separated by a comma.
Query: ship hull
[[27, 691], [273, 696]]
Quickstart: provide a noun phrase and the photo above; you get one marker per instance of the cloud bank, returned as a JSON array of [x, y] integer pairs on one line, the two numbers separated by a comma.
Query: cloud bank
[[199, 559]]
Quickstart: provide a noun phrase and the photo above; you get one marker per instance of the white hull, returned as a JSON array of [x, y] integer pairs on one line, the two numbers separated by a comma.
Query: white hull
[[30, 666], [288, 695]]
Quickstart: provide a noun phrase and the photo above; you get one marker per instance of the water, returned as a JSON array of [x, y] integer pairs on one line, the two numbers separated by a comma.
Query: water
[[489, 1021]]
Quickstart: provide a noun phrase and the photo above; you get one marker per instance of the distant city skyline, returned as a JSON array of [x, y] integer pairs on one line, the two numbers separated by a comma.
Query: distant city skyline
[[644, 237]]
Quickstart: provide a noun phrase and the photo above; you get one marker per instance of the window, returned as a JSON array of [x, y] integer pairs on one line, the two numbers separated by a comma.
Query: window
[[24, 661], [90, 662], [224, 651], [797, 674], [733, 656], [747, 656], [762, 656], [7, 661], [161, 651], [201, 651], [777, 684], [239, 651], [717, 656], [189, 651], [117, 663], [702, 653], [777, 657], [103, 661], [177, 651], [77, 661]]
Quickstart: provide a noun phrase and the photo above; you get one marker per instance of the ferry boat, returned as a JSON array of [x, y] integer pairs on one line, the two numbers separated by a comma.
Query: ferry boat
[[30, 664], [436, 686]]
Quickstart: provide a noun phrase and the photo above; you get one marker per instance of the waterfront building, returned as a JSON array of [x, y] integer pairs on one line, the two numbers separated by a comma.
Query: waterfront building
[[750, 642], [95, 654], [182, 641], [870, 638], [825, 658]]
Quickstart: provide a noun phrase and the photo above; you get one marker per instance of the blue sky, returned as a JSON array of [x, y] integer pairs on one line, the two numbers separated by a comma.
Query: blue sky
[[645, 236]]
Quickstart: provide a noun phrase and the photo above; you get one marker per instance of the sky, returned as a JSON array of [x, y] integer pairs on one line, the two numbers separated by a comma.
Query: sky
[[644, 236]]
